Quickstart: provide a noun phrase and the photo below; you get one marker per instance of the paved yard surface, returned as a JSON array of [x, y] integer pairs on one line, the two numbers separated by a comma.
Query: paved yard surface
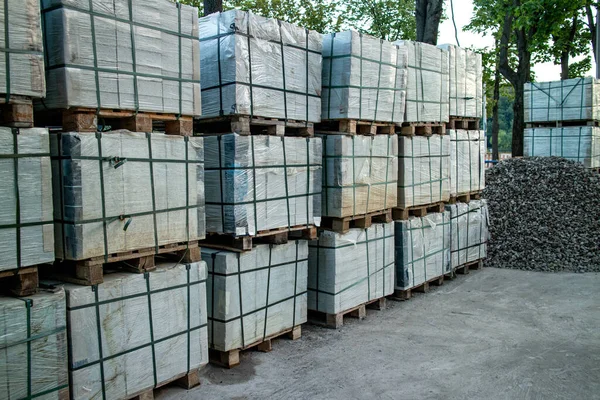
[[493, 334]]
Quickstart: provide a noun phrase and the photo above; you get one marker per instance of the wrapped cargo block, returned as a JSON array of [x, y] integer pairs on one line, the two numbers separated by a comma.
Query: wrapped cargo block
[[256, 183], [576, 143], [565, 100], [469, 225], [360, 174], [21, 50], [140, 55], [424, 170], [26, 223], [257, 66], [422, 249], [33, 347], [347, 270], [467, 161], [135, 332], [122, 191], [255, 294], [466, 82], [428, 92], [364, 78]]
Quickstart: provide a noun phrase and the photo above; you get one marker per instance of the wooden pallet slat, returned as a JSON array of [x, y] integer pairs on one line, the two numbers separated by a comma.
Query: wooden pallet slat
[[418, 211], [355, 127], [423, 128], [20, 282], [363, 221], [336, 321], [465, 123], [246, 125], [187, 381], [17, 112], [406, 294], [231, 242], [466, 197]]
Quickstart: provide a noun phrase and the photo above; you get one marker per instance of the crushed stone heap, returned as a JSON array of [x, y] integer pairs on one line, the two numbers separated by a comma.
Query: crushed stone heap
[[544, 215]]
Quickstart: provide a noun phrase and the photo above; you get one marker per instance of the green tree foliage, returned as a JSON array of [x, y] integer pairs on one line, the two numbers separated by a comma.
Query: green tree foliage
[[386, 19]]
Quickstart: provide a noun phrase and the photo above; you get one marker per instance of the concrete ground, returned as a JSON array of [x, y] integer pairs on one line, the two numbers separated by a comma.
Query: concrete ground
[[493, 334]]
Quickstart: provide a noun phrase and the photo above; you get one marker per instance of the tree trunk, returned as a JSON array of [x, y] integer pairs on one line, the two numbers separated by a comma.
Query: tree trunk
[[428, 14], [566, 51], [495, 121], [592, 26], [518, 122], [212, 6], [564, 65]]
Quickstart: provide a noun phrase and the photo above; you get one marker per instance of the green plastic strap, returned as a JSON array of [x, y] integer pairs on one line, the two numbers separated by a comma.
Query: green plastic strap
[[384, 264], [102, 196], [354, 174], [211, 276], [7, 53], [412, 152], [254, 311], [133, 57], [317, 266], [325, 175], [222, 202], [307, 55], [285, 110], [368, 264], [424, 249], [221, 111], [371, 140], [421, 75], [151, 165], [430, 170], [353, 244], [189, 304], [387, 168], [28, 304], [268, 290], [330, 76], [307, 181], [15, 133], [151, 325], [287, 192], [442, 82], [254, 183], [361, 78], [354, 284], [180, 60], [250, 71], [379, 79], [295, 285], [239, 265], [238, 203], [99, 332], [95, 55], [395, 82], [62, 188], [470, 163], [186, 142]]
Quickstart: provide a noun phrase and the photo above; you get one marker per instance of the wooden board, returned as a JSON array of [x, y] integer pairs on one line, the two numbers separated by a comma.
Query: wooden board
[[363, 221], [560, 124], [336, 321], [20, 281], [246, 125], [17, 112], [187, 381], [406, 294], [353, 127], [466, 197], [470, 124], [231, 358], [231, 242], [418, 211], [423, 128]]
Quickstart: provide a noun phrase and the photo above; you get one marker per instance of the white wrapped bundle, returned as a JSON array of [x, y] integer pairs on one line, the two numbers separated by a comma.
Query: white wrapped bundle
[[268, 285], [469, 224], [259, 66], [256, 183], [137, 55], [361, 174], [576, 143], [424, 170], [466, 82], [21, 49], [121, 191], [467, 161], [350, 269], [26, 223], [33, 347], [422, 249], [364, 78], [137, 331], [428, 93], [565, 100]]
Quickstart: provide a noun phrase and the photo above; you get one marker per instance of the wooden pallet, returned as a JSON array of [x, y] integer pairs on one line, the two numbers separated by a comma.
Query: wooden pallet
[[466, 197], [20, 282], [471, 266], [231, 358], [187, 381], [363, 221], [80, 119], [560, 124], [91, 271], [246, 125], [406, 294], [470, 124], [423, 128], [17, 112], [335, 321], [418, 211], [353, 127], [231, 242]]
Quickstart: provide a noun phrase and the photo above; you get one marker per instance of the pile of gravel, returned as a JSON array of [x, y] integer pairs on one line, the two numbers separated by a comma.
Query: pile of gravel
[[544, 215]]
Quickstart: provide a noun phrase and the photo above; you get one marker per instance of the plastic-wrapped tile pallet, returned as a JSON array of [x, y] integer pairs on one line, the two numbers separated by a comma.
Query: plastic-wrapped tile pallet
[[469, 225], [126, 196], [422, 253], [467, 163], [137, 332], [347, 271], [562, 120], [255, 296], [264, 69], [364, 80], [141, 56]]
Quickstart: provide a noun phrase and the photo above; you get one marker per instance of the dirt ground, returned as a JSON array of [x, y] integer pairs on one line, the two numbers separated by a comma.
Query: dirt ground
[[492, 334]]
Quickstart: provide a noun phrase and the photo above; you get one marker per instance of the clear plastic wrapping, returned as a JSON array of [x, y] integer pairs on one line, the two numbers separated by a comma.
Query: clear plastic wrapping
[[121, 191], [422, 249], [132, 55], [256, 183], [259, 66], [26, 222], [469, 225], [424, 170], [136, 331], [565, 100], [576, 143], [467, 161], [360, 174], [33, 347], [346, 270], [466, 82], [21, 49], [268, 285], [428, 93], [364, 78]]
